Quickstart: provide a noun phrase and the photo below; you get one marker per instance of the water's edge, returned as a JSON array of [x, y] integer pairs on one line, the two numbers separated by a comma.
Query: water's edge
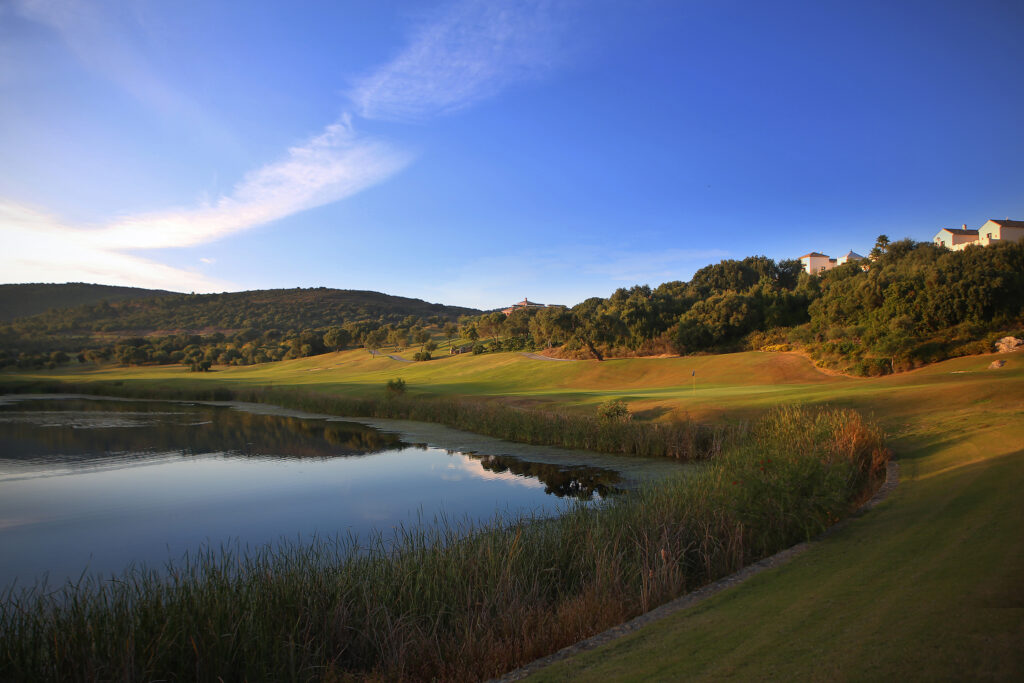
[[635, 471]]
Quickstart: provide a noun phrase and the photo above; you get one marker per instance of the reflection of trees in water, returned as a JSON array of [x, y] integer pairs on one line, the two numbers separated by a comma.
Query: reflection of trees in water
[[129, 429], [189, 429], [575, 481]]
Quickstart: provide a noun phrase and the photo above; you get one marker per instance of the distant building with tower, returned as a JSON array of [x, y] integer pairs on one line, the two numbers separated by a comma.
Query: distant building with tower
[[525, 303]]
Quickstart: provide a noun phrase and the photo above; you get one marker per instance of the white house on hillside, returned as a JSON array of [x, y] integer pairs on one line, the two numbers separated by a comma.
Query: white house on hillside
[[992, 232], [956, 239], [1000, 231], [815, 263]]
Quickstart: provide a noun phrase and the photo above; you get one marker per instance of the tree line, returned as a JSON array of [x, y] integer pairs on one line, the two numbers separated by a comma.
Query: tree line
[[202, 352], [912, 303]]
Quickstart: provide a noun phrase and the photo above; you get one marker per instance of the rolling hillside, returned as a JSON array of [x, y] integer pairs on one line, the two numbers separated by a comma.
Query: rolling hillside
[[281, 309], [21, 301]]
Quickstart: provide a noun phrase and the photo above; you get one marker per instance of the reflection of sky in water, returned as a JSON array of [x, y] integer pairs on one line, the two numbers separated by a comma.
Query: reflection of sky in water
[[126, 508], [460, 469]]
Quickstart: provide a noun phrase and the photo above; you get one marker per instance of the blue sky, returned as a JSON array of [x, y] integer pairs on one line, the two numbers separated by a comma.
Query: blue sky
[[477, 152]]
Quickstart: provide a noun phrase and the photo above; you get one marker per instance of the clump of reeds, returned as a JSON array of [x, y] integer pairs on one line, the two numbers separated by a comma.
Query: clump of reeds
[[449, 601]]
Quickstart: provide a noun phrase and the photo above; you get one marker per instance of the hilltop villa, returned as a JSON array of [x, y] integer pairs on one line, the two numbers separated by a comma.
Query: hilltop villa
[[991, 232], [525, 303], [815, 263]]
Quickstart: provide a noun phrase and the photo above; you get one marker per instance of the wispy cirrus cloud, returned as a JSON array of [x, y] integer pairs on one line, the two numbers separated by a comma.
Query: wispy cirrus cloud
[[476, 49], [330, 166]]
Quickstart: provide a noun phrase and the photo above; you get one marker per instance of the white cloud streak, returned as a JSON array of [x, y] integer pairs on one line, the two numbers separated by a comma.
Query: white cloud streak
[[333, 165], [38, 248], [477, 49]]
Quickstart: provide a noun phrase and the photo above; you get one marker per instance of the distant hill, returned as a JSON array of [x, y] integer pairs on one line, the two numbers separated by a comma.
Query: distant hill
[[20, 301], [280, 309]]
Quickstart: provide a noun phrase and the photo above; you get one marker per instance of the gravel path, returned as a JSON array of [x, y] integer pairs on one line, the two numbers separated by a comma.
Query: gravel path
[[892, 478]]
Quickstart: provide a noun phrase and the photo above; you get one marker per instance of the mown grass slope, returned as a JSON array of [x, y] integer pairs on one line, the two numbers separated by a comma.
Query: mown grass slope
[[657, 382], [724, 385]]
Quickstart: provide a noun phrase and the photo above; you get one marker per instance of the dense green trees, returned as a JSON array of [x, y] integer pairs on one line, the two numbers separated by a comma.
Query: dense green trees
[[282, 309], [337, 338], [919, 303], [913, 303]]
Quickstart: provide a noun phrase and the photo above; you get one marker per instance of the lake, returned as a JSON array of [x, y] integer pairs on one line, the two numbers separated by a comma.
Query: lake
[[92, 485]]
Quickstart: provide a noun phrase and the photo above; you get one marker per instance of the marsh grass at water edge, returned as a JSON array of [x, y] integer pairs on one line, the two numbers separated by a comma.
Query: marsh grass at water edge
[[448, 602], [682, 440]]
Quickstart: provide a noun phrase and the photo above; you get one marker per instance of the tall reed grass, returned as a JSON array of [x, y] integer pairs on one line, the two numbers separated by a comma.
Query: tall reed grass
[[450, 601]]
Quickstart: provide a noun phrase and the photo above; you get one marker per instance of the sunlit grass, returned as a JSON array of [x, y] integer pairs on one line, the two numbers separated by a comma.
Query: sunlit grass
[[726, 385]]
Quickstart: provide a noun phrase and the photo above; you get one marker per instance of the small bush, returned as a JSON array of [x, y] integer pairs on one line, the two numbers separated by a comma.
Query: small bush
[[615, 410], [421, 355], [395, 386], [479, 348]]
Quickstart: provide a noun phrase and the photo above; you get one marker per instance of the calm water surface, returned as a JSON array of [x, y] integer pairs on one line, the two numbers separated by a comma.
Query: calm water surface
[[94, 485]]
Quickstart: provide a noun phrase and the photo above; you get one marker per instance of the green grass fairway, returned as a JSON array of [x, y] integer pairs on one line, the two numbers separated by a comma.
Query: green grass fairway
[[663, 383], [928, 585], [656, 388]]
